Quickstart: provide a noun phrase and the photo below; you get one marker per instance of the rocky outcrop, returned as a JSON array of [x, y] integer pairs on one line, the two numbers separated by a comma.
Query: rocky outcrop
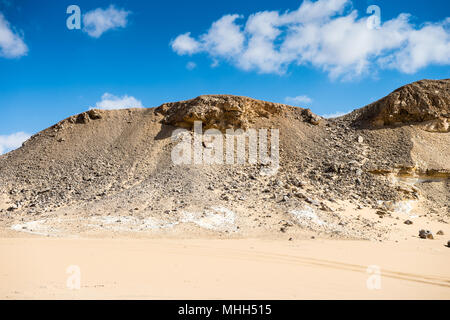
[[218, 111], [85, 117], [425, 102]]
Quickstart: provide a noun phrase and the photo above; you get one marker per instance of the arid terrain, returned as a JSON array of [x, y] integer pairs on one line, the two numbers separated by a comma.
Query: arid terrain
[[100, 190], [222, 269]]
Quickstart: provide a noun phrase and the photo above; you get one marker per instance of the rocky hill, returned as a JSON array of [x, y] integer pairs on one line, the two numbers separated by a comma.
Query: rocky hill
[[112, 172]]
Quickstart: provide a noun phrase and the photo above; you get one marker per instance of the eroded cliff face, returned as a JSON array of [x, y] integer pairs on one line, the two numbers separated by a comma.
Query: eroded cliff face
[[425, 103]]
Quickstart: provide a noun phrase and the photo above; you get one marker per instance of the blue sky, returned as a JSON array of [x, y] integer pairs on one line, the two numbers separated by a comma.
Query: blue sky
[[320, 54]]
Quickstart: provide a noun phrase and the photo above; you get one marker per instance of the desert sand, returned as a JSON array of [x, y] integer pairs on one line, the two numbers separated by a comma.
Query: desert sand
[[36, 268]]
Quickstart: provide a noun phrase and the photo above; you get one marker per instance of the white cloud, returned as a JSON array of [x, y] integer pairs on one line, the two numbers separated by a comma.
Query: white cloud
[[11, 43], [191, 65], [111, 102], [98, 21], [184, 44], [335, 114], [428, 45], [224, 37], [298, 100], [326, 34], [12, 141]]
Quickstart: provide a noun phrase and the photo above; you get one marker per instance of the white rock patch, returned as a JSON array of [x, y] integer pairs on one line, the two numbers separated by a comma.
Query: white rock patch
[[402, 207], [221, 219], [307, 216], [218, 218], [118, 223], [39, 227]]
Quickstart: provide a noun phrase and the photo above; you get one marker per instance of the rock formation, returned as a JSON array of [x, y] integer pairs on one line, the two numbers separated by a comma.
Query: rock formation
[[100, 165]]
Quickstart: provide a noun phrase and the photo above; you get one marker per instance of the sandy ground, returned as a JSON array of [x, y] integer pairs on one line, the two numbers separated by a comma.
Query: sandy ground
[[39, 268]]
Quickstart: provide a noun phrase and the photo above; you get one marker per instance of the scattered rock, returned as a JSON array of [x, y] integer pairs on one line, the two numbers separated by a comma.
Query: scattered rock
[[381, 213], [426, 234], [313, 202], [311, 117], [94, 114], [440, 233], [82, 118], [408, 222]]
